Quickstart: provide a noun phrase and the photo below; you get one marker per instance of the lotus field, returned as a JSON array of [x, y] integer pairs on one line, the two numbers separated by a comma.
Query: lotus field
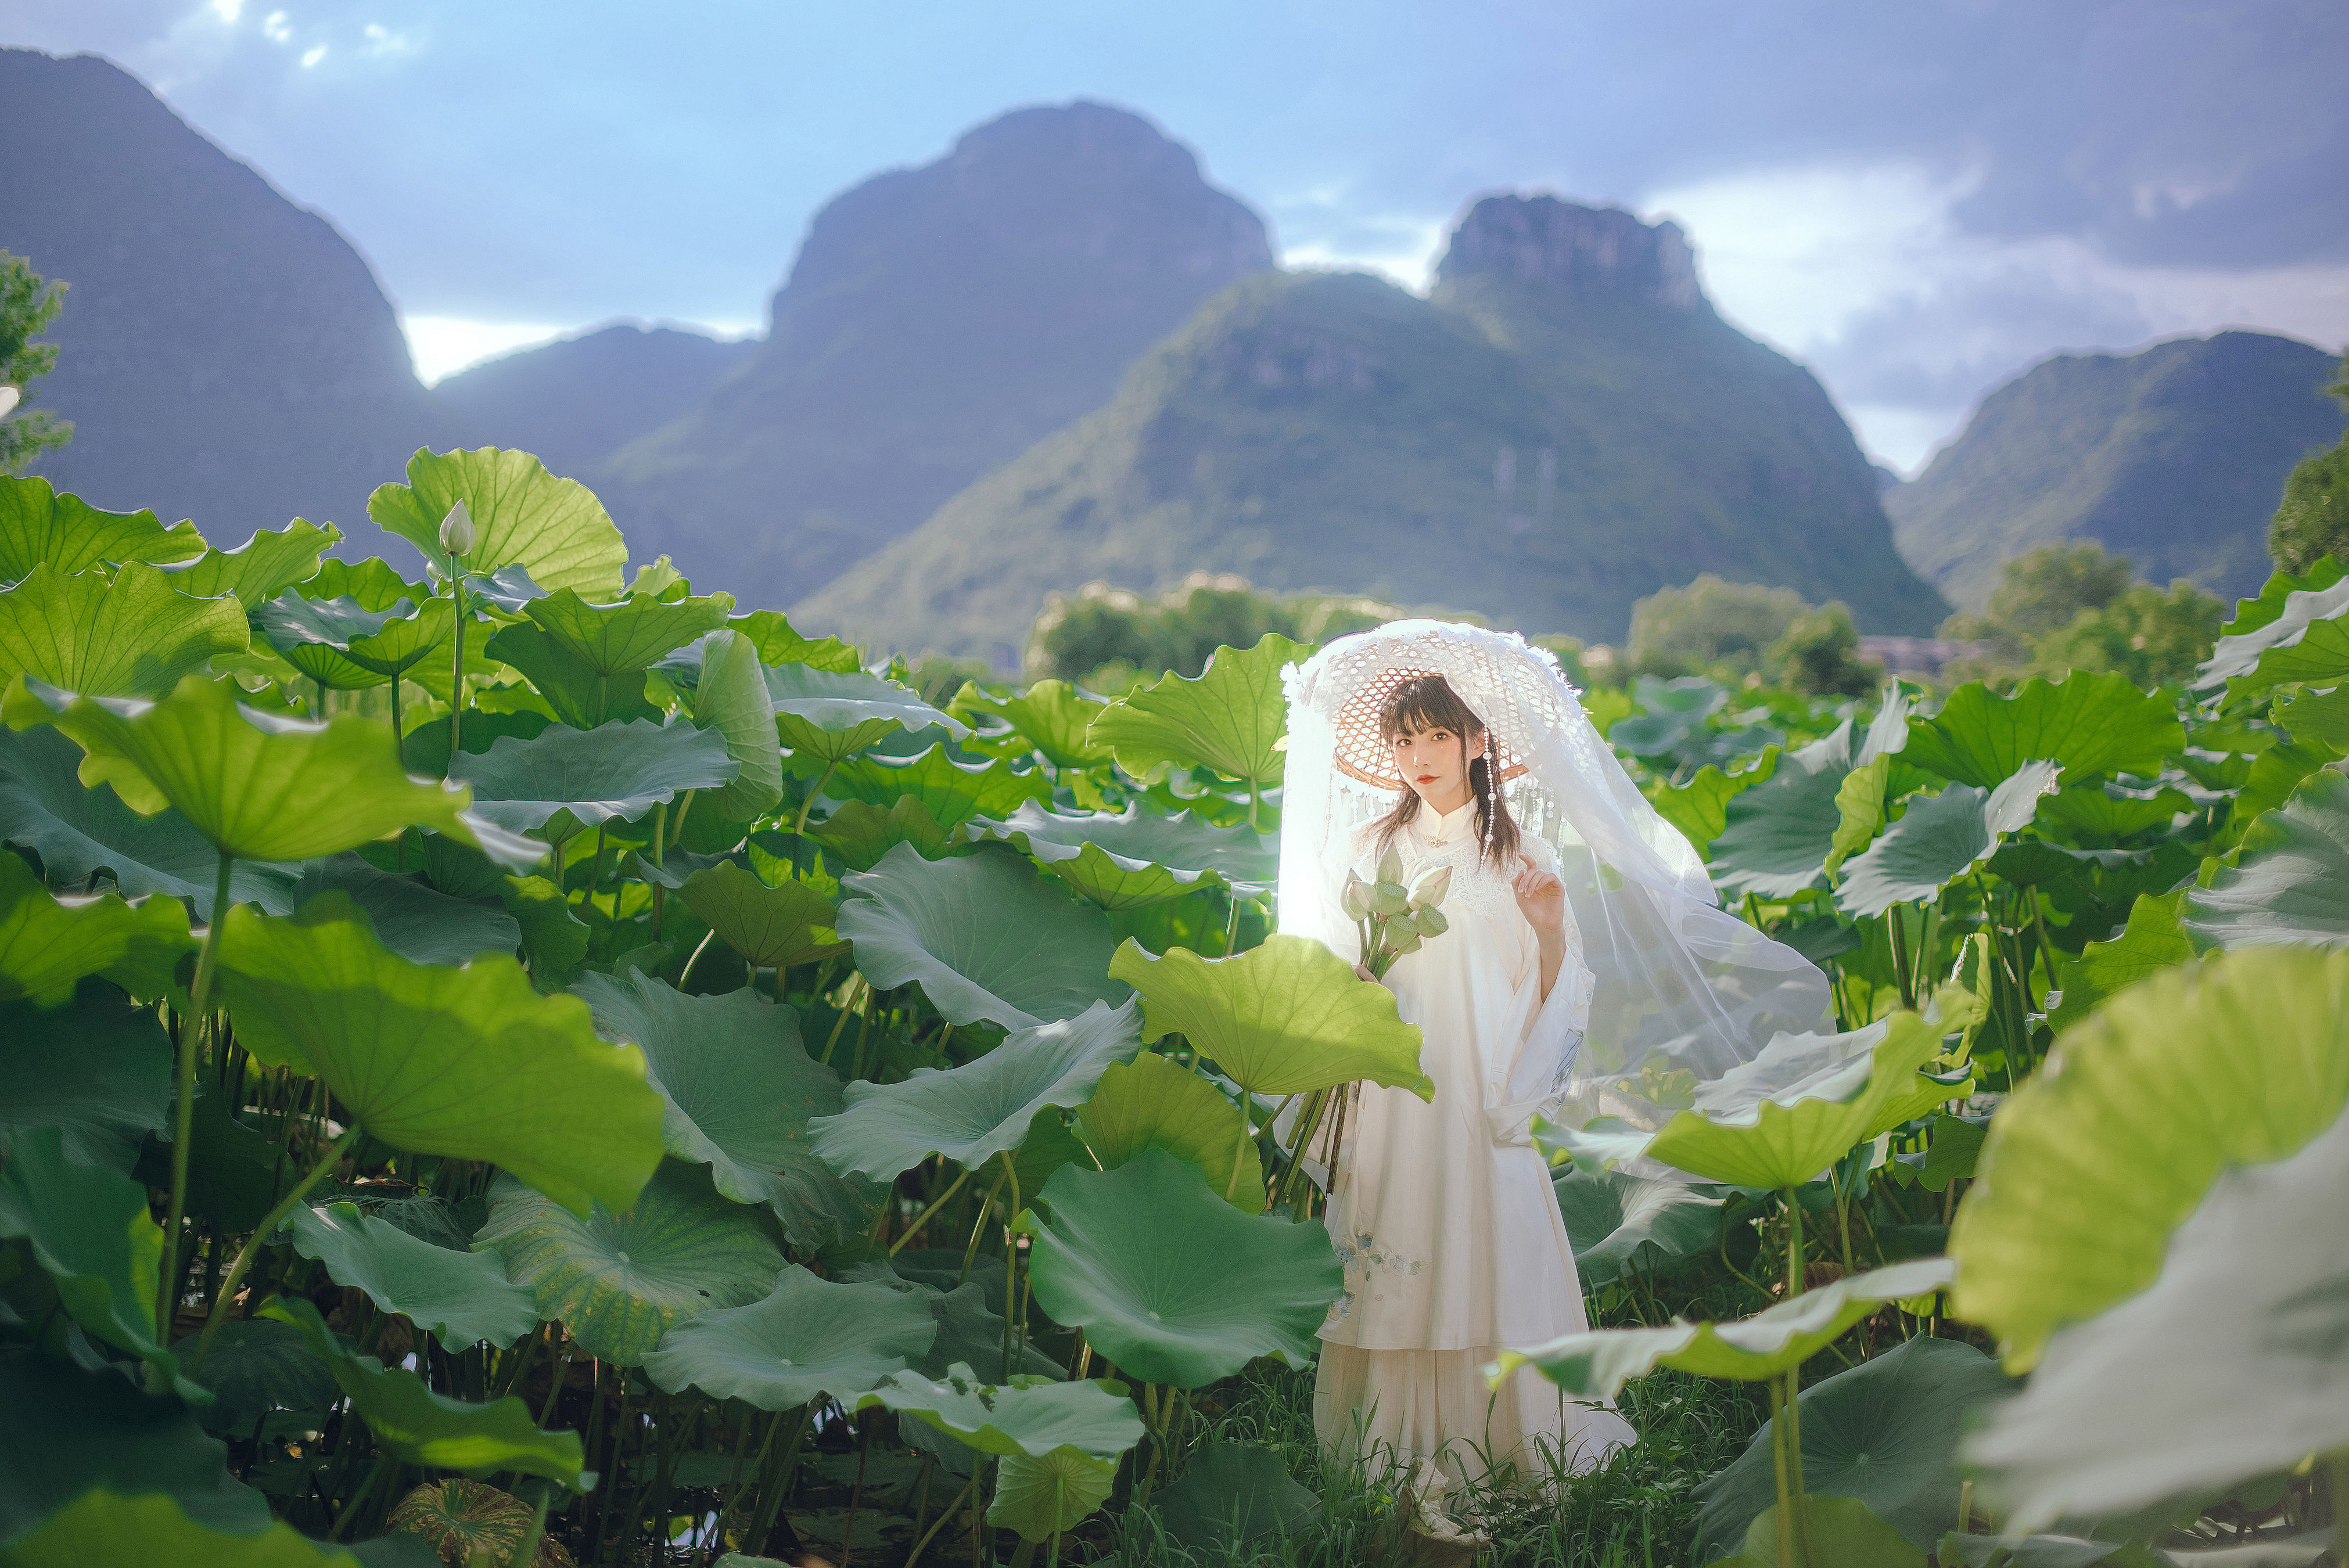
[[513, 1060]]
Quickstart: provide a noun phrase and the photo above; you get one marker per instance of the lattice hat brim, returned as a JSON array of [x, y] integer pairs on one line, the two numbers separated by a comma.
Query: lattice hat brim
[[1362, 752]]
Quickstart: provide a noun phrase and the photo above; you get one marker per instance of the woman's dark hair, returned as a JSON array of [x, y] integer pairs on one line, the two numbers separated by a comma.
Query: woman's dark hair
[[1428, 702]]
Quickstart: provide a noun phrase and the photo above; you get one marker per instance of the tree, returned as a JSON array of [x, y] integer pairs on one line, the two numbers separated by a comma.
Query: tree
[[2151, 636], [1819, 654], [2313, 520], [1710, 627], [2073, 607], [1105, 637], [28, 303]]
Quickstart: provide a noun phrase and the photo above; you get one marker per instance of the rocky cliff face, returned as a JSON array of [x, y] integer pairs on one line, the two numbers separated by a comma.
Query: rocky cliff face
[[225, 354], [1578, 250], [938, 322]]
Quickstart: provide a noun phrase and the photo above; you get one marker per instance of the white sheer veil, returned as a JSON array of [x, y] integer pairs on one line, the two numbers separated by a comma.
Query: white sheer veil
[[1685, 991]]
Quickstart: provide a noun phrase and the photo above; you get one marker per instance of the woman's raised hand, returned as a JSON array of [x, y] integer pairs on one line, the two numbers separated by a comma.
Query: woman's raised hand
[[1541, 897]]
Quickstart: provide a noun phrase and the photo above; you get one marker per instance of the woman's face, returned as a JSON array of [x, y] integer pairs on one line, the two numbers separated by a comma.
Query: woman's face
[[1435, 763]]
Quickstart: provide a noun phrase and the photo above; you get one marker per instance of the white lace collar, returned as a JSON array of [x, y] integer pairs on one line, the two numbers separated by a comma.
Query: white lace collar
[[1438, 831]]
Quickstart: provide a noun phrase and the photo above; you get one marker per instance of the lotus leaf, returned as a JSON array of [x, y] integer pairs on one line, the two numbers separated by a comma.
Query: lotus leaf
[[1621, 1223], [468, 1062], [80, 833], [1126, 861], [459, 1297], [371, 581], [1171, 1283], [832, 716], [48, 945], [807, 1338], [1842, 1530], [253, 1366], [1286, 1018], [1051, 716], [860, 833], [1152, 1103], [732, 699], [263, 567], [415, 648], [1231, 1493], [1597, 1363], [2110, 811], [1940, 840], [770, 926], [970, 1329], [1032, 1417], [2296, 635], [522, 514], [1776, 835], [1885, 1433], [951, 792], [235, 1175], [69, 1430], [1232, 717], [2047, 1551], [567, 686], [1672, 717], [1861, 811], [87, 1227], [1042, 1498], [737, 1090], [771, 633], [408, 916], [38, 525], [564, 780], [1699, 807], [2227, 1367], [256, 784], [984, 935], [132, 637], [2275, 774], [2241, 1059], [471, 1522], [2318, 717], [105, 1527], [631, 634], [974, 1112], [314, 636], [620, 1282], [99, 1071], [2153, 940], [419, 1427], [2290, 883], [2088, 723]]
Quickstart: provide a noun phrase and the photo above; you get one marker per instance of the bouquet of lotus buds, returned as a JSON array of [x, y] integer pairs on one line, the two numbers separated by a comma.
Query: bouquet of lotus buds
[[1393, 919]]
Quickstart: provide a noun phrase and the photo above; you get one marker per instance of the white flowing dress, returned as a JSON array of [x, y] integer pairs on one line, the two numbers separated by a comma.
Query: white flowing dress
[[1442, 1213]]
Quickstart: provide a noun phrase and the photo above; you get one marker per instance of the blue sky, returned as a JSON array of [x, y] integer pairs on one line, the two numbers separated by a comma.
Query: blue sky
[[1918, 200]]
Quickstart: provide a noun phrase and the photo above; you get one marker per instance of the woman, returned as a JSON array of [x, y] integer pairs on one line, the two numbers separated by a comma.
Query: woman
[[1585, 970]]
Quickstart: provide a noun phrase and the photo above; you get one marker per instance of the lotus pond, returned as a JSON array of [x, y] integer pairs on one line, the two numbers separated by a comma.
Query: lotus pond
[[505, 1059]]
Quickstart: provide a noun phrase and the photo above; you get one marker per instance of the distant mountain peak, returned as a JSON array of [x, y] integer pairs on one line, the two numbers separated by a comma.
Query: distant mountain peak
[[1563, 245]]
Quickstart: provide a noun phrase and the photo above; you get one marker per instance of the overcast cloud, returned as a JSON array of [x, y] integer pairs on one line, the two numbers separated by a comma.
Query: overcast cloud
[[1919, 199]]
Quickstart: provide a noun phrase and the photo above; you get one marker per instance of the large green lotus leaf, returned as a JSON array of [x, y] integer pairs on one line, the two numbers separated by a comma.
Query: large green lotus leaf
[[2297, 635], [970, 1329], [1885, 1433], [1042, 1498], [410, 918], [99, 1071], [2289, 883], [2112, 811], [263, 567], [417, 1427], [823, 715], [1843, 1532], [1232, 717], [115, 1529], [2228, 1367], [2153, 940], [459, 1297], [38, 525], [620, 1281], [424, 749], [555, 528], [771, 927], [81, 833], [2088, 723], [1956, 1550], [1129, 859], [2090, 1166], [567, 779], [314, 636], [985, 935], [1940, 840], [2318, 717], [1231, 1493], [771, 632], [471, 1063], [952, 792], [252, 1366], [739, 1091], [257, 786], [732, 699], [1861, 810], [574, 690], [47, 946], [806, 1338], [1699, 807], [1597, 1363], [1051, 716], [630, 635], [1622, 1225], [132, 637], [89, 1229], [1036, 1419], [69, 1430], [418, 648], [1171, 1283], [1775, 836], [371, 581], [974, 1112], [1152, 1103], [1286, 1018], [860, 833]]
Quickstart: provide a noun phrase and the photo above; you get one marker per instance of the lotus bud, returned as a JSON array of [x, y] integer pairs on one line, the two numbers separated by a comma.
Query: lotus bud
[[1408, 945], [1401, 927], [1428, 888], [1354, 900], [8, 396], [1430, 920], [1389, 899], [1391, 866], [456, 531]]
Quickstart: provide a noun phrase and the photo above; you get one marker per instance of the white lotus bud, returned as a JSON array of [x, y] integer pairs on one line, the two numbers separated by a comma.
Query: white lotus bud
[[1389, 898], [456, 531], [1353, 901], [1428, 888], [8, 397], [1431, 921], [1391, 866]]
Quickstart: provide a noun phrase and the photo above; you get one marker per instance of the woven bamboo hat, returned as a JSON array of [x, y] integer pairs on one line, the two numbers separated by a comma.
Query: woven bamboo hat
[[1362, 751]]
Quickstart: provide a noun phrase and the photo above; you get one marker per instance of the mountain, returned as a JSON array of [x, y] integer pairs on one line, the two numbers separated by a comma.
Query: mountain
[[2173, 457], [937, 322], [577, 401], [224, 354], [1563, 426]]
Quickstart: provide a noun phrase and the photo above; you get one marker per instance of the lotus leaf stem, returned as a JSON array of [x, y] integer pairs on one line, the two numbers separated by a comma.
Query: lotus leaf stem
[[1239, 1148], [457, 680], [814, 789], [923, 1218], [1786, 1520], [1010, 1260], [199, 994], [970, 1251], [924, 1544], [267, 1228], [684, 805], [526, 1551], [706, 937], [349, 1516]]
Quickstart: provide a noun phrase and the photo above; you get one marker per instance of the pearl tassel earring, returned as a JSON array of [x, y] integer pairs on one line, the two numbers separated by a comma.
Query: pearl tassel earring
[[1492, 790]]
